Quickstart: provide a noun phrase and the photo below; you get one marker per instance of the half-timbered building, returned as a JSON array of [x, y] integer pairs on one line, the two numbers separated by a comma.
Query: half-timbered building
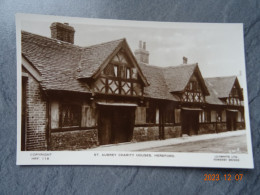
[[79, 97]]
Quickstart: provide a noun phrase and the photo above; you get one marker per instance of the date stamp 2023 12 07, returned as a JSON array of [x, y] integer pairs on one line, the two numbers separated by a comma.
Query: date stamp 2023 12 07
[[227, 177]]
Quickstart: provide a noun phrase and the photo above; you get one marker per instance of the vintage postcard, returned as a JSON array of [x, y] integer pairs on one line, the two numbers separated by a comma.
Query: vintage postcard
[[116, 92]]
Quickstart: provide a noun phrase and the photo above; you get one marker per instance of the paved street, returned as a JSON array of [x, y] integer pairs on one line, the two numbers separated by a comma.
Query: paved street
[[235, 144], [231, 141]]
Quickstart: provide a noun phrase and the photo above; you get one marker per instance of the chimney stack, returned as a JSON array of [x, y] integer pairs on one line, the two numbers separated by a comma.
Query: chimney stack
[[62, 32], [140, 44], [185, 60], [141, 55], [144, 46]]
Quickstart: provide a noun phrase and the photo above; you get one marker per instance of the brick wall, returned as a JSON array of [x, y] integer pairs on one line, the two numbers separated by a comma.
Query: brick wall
[[36, 116], [74, 140]]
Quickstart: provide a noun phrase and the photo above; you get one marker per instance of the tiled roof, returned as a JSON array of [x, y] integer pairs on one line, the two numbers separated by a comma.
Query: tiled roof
[[94, 56], [177, 77], [61, 63], [158, 87], [47, 55], [221, 85], [213, 97]]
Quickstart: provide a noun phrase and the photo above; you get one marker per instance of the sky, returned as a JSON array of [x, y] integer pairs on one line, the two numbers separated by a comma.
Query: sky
[[217, 48]]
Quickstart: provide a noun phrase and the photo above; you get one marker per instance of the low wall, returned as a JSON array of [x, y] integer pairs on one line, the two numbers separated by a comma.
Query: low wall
[[145, 133], [73, 140], [152, 133], [207, 128], [240, 125], [172, 132]]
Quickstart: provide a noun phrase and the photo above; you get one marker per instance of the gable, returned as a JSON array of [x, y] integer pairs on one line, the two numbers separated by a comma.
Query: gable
[[193, 91], [96, 58], [120, 66], [235, 95], [120, 76], [221, 85], [226, 89], [197, 83], [122, 57], [236, 90]]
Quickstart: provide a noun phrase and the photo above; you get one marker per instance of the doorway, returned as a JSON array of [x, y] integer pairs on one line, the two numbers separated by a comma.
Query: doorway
[[232, 120], [190, 122], [115, 124]]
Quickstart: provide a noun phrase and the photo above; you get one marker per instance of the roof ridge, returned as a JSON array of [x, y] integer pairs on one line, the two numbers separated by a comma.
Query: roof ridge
[[150, 66], [181, 65], [103, 43], [221, 77], [52, 39], [161, 67]]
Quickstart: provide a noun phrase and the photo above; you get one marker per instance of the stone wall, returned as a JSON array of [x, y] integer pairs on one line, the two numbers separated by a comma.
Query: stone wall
[[74, 140], [221, 127], [36, 119], [152, 133], [172, 132], [240, 125], [206, 128], [145, 133]]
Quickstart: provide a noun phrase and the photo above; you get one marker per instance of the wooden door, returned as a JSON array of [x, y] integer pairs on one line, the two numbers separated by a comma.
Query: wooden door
[[231, 120], [116, 124], [190, 122], [104, 126], [123, 124]]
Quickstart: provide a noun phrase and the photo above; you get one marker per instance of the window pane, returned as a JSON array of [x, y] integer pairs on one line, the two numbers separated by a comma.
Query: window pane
[[128, 73], [115, 70], [70, 115]]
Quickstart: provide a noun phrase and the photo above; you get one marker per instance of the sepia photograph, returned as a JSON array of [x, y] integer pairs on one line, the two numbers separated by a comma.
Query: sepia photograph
[[114, 92]]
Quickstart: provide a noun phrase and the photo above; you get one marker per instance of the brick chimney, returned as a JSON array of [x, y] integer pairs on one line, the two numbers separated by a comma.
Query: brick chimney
[[62, 32], [141, 55], [185, 60]]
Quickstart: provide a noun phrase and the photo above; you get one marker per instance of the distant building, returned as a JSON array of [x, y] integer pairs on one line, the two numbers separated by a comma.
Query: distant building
[[79, 97]]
